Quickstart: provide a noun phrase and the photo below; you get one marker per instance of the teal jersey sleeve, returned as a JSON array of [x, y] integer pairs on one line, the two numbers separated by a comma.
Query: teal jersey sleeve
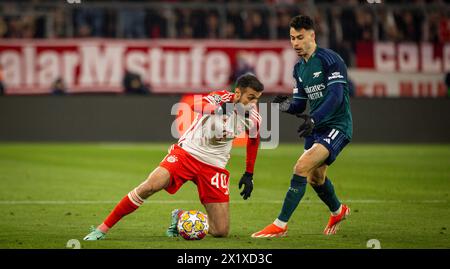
[[298, 92], [336, 73], [299, 96], [335, 70], [332, 110]]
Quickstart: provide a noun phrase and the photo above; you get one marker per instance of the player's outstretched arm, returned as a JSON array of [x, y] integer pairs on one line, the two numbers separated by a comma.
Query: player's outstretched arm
[[213, 103], [294, 106], [204, 106]]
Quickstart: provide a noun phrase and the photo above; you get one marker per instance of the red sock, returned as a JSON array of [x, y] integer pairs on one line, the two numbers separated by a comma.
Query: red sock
[[127, 205]]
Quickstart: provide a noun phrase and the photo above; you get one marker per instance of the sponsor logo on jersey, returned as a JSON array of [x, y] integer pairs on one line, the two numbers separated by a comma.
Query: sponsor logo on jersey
[[335, 75], [315, 91], [172, 159], [315, 88], [316, 74]]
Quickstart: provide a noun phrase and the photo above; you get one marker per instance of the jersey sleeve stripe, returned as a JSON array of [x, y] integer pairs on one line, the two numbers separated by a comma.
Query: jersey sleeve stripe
[[208, 98], [328, 58], [256, 114], [227, 97], [322, 56], [256, 119], [336, 81]]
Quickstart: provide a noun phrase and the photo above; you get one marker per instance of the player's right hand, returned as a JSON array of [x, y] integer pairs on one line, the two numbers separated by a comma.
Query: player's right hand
[[280, 98], [283, 101], [307, 125]]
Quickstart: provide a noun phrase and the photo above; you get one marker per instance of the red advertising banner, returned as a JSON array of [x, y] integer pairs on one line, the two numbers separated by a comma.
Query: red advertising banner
[[168, 66], [424, 57], [387, 69], [369, 83], [198, 66]]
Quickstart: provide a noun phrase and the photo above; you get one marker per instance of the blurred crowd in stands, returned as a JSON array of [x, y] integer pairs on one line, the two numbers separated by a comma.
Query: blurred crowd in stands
[[339, 19], [340, 24]]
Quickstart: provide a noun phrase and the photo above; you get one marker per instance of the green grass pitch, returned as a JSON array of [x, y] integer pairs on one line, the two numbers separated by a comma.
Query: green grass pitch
[[51, 193]]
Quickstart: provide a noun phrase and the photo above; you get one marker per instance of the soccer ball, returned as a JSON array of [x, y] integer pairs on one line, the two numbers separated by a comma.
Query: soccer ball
[[193, 225]]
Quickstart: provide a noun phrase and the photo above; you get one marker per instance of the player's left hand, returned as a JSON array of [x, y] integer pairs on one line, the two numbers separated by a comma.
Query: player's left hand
[[247, 181], [307, 126]]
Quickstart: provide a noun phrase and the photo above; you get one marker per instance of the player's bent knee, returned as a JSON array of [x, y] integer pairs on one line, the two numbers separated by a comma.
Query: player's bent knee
[[148, 187], [220, 232], [219, 229], [156, 181], [316, 177], [145, 190], [315, 181], [301, 169]]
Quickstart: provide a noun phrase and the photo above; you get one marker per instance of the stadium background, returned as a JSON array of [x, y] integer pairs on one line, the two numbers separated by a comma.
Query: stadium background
[[109, 71]]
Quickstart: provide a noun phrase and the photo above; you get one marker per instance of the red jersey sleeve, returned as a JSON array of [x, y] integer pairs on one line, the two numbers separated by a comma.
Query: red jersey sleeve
[[209, 103], [253, 141]]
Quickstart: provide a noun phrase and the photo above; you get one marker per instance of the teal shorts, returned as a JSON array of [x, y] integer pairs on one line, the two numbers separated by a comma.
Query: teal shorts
[[333, 139]]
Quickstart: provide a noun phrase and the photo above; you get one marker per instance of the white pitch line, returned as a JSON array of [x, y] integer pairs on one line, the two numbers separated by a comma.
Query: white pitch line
[[83, 202]]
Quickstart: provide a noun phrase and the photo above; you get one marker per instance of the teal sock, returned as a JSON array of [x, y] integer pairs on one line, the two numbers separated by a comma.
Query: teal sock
[[327, 195], [293, 197]]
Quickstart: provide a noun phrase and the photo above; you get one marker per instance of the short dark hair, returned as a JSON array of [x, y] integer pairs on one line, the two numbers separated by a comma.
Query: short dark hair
[[302, 22], [251, 81]]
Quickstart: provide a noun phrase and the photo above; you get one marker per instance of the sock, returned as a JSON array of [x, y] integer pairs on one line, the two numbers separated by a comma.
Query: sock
[[127, 205], [337, 212], [279, 223], [328, 196], [293, 197]]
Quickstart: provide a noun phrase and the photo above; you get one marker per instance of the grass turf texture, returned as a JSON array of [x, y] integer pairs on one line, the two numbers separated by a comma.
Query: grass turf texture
[[50, 193]]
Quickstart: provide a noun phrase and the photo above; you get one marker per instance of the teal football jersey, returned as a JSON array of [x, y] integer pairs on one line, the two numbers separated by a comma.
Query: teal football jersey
[[324, 68]]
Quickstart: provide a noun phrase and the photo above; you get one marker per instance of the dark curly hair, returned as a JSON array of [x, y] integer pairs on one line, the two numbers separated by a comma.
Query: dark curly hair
[[249, 80], [302, 22]]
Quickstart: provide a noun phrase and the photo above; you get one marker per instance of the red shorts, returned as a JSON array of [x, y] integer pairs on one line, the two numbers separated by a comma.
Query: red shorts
[[212, 182]]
